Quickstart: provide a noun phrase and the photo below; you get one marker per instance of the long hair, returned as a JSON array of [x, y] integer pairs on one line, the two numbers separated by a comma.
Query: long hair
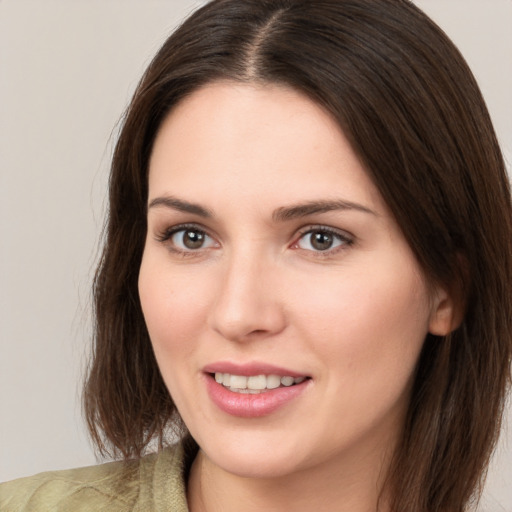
[[412, 111]]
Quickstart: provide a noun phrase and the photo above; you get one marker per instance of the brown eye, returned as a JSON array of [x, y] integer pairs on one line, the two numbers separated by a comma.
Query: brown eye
[[193, 239], [321, 240], [190, 239]]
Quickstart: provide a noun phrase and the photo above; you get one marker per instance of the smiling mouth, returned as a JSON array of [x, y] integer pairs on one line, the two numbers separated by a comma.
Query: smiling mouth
[[255, 384]]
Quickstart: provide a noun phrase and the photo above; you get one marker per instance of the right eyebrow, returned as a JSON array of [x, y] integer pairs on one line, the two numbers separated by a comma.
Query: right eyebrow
[[180, 205]]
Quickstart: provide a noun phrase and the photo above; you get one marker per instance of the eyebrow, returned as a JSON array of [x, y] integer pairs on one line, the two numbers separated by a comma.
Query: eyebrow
[[180, 205], [282, 214], [287, 213]]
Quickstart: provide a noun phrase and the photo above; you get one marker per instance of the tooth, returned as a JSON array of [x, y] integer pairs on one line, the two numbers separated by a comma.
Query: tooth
[[238, 381], [273, 381], [257, 382], [287, 381]]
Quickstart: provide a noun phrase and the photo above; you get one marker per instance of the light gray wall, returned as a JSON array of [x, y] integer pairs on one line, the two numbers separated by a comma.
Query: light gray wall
[[67, 70]]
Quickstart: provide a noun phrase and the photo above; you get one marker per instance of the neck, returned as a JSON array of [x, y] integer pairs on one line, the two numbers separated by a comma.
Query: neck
[[354, 486]]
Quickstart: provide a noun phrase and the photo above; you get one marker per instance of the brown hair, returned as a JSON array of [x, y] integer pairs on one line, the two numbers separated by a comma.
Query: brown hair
[[405, 98]]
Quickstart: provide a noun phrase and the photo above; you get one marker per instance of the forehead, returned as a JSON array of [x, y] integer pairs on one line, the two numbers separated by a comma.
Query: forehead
[[230, 140]]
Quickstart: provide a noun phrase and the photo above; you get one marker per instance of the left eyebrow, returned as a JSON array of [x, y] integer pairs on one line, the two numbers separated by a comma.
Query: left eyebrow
[[286, 213]]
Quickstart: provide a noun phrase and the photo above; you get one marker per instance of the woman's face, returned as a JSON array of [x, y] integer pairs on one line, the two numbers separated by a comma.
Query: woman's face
[[271, 259]]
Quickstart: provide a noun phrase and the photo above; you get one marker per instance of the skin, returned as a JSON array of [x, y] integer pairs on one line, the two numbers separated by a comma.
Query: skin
[[352, 318]]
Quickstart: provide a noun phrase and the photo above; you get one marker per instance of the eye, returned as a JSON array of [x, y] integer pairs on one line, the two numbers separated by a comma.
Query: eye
[[188, 238], [322, 239]]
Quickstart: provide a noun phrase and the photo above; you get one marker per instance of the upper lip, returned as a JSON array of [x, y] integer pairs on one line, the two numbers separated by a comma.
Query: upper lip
[[250, 369]]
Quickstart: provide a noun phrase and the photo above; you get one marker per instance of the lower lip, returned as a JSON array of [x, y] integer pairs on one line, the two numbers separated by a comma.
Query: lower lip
[[247, 405]]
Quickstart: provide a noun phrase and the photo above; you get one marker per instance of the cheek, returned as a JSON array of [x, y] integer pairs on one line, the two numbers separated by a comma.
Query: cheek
[[172, 308], [369, 327]]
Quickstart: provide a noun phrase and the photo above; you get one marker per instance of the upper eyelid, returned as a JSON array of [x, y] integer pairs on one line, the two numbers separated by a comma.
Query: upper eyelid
[[322, 227], [170, 230]]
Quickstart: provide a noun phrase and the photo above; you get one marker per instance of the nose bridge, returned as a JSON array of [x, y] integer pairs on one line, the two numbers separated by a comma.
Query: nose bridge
[[247, 302]]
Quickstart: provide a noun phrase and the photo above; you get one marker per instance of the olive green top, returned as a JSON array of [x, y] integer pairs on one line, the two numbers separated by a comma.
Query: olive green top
[[154, 483]]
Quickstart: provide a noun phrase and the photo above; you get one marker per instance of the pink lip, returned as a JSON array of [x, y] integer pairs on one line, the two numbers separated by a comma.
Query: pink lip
[[251, 405], [250, 369]]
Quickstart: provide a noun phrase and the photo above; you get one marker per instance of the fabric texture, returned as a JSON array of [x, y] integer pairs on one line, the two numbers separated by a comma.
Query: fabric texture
[[154, 483]]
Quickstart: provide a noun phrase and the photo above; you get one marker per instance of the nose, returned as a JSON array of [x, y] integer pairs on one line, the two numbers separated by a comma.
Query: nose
[[249, 304]]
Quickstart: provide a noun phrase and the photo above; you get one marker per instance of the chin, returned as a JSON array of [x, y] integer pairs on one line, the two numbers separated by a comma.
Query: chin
[[253, 456], [257, 467]]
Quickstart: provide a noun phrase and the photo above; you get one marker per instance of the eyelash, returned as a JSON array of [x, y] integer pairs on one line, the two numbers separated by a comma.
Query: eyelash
[[344, 239], [168, 233]]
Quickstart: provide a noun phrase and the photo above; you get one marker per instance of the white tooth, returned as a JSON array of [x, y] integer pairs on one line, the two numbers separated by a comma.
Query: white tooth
[[298, 380], [226, 379], [238, 381], [246, 391], [257, 382], [219, 377], [287, 381], [273, 381]]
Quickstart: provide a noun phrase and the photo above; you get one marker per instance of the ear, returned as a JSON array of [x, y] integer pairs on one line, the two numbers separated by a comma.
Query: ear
[[447, 312]]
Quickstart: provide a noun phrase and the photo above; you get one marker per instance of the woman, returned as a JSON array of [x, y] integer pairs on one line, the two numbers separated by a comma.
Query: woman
[[306, 273]]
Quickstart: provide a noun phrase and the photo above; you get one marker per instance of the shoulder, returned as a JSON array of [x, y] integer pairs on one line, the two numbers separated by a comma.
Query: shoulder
[[150, 483], [114, 484]]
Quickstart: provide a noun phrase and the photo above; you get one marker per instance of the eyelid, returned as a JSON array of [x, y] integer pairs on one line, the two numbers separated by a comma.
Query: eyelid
[[347, 238], [166, 234]]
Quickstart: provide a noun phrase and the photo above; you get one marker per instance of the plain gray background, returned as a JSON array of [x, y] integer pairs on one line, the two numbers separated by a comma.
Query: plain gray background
[[67, 70]]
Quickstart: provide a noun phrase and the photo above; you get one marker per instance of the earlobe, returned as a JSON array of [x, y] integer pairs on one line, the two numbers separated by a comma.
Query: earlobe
[[446, 314]]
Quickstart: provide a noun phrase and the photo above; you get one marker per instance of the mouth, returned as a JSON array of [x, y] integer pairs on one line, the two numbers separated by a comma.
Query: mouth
[[255, 384], [253, 389]]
